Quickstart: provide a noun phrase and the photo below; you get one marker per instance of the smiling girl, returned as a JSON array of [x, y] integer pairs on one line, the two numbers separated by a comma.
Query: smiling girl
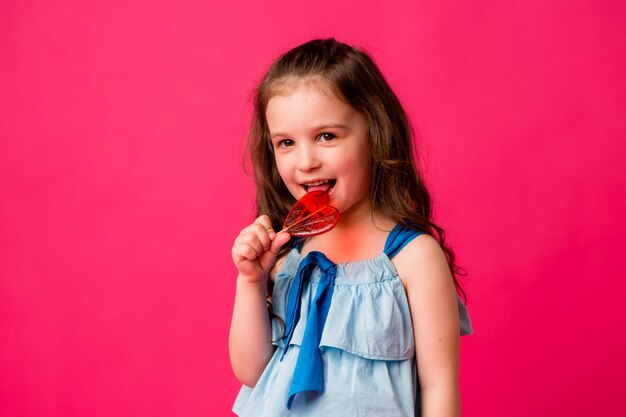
[[364, 319]]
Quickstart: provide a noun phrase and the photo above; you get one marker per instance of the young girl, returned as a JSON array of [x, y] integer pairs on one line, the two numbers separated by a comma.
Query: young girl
[[363, 320]]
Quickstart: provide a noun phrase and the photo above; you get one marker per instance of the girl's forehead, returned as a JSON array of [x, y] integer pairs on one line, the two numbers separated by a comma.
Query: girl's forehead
[[306, 102]]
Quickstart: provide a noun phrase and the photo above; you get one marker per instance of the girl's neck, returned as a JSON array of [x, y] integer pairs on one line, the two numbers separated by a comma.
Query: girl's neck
[[360, 234]]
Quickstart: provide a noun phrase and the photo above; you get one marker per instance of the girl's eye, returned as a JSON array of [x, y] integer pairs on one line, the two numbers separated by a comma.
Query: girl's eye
[[327, 137], [284, 143]]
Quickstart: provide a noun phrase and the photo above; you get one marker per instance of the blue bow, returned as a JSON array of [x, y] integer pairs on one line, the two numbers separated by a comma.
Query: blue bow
[[308, 373]]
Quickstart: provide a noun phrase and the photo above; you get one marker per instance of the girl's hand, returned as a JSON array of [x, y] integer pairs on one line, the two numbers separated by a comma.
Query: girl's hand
[[255, 249]]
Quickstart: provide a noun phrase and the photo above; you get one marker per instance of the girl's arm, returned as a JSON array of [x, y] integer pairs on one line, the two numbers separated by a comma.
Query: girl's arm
[[249, 342], [430, 289]]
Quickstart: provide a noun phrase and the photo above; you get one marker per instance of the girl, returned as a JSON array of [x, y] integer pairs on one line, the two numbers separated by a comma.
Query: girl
[[364, 319]]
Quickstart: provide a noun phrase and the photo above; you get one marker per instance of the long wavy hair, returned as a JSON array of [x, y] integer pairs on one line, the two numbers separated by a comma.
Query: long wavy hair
[[397, 189]]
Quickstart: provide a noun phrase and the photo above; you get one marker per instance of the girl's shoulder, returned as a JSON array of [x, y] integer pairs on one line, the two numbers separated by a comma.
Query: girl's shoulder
[[423, 245], [421, 259]]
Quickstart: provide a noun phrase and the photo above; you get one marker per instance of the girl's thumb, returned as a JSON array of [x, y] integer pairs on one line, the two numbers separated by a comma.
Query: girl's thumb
[[267, 258], [279, 241]]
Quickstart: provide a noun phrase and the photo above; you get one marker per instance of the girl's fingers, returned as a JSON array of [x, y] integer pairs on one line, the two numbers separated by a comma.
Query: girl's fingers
[[249, 246], [267, 259], [262, 235], [265, 221], [254, 240], [245, 252], [256, 247]]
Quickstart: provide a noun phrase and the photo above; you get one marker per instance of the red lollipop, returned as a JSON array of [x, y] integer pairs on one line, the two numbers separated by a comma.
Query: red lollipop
[[311, 215]]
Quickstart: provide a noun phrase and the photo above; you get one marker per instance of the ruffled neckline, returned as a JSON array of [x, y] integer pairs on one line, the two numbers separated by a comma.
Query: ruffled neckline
[[361, 271]]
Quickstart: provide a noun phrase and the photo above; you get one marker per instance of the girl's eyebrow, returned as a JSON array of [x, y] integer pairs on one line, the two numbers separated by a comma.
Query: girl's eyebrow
[[316, 128], [332, 125]]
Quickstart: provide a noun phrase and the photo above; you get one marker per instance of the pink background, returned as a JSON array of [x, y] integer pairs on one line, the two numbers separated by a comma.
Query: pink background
[[122, 189]]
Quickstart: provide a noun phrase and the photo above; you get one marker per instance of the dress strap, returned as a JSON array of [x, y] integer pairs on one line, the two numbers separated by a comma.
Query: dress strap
[[398, 238], [297, 243]]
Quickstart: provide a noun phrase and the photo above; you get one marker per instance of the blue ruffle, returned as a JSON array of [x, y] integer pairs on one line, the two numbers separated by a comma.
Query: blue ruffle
[[369, 314]]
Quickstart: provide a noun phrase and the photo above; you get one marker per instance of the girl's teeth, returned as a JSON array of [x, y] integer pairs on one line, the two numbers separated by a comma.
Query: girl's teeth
[[324, 185]]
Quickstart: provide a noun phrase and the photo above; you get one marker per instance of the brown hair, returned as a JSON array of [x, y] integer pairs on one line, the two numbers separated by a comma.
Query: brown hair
[[397, 189]]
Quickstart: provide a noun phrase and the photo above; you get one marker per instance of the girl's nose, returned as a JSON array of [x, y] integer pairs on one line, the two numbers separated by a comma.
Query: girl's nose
[[307, 158]]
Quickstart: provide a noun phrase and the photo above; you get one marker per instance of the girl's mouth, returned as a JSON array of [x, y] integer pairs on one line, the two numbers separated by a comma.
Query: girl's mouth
[[322, 185]]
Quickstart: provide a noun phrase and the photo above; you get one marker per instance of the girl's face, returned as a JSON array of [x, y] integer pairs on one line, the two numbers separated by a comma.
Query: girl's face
[[320, 143]]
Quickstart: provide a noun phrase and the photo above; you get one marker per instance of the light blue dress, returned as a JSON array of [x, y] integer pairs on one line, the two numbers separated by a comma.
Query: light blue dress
[[366, 347]]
